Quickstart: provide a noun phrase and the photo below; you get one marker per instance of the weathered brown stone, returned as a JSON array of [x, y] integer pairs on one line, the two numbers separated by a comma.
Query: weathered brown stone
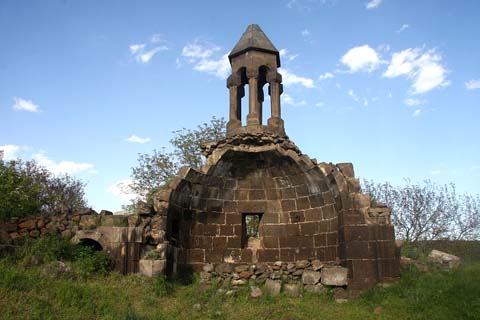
[[226, 230], [288, 205], [233, 218], [27, 224], [288, 193], [270, 242], [268, 255], [252, 206], [313, 214], [309, 228], [196, 255], [219, 242], [241, 195], [297, 216], [292, 229], [234, 242], [303, 203]]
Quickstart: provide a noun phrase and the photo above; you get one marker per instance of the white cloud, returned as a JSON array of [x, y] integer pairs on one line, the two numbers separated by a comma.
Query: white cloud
[[134, 48], [197, 50], [326, 75], [384, 47], [472, 84], [435, 172], [202, 56], [24, 105], [62, 167], [123, 190], [361, 58], [305, 33], [416, 113], [156, 38], [352, 94], [143, 53], [148, 55], [137, 139], [373, 4], [284, 54], [10, 151], [217, 67], [289, 78], [402, 28], [402, 63], [423, 68], [288, 100], [411, 102], [319, 104]]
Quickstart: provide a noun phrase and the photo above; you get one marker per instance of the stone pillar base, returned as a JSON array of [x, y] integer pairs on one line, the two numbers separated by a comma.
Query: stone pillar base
[[276, 122], [233, 124], [151, 268], [253, 120]]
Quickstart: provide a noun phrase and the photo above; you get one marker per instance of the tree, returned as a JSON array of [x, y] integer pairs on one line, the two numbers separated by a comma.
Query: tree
[[156, 170], [428, 211], [27, 188]]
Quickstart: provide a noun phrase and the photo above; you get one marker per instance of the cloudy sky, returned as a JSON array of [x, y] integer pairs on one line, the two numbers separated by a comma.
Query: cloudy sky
[[390, 85]]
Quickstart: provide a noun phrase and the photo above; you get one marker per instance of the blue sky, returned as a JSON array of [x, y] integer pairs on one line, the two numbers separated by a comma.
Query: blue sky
[[391, 86]]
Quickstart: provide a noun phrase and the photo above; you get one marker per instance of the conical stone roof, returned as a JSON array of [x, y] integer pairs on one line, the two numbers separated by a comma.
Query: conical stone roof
[[254, 39]]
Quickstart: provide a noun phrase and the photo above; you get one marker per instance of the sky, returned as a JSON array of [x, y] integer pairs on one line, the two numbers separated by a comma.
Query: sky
[[392, 86]]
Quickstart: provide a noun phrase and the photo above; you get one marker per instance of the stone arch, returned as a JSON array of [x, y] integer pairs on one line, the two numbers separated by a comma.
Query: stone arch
[[90, 237], [93, 244]]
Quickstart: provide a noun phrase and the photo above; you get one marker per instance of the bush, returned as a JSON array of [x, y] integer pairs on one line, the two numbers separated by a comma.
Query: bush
[[27, 188], [89, 262], [46, 249]]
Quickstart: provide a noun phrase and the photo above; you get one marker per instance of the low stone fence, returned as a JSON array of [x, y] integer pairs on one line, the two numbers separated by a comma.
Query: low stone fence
[[295, 277], [65, 224]]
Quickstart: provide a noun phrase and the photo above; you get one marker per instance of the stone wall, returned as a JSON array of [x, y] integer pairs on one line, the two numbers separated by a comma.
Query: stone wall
[[65, 224], [298, 217], [295, 277], [366, 237], [309, 211]]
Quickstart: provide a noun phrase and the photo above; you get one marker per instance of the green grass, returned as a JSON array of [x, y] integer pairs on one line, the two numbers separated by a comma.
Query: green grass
[[28, 292]]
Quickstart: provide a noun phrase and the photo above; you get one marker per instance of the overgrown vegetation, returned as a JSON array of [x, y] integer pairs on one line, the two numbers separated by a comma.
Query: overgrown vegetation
[[27, 292], [83, 261], [27, 188], [427, 211]]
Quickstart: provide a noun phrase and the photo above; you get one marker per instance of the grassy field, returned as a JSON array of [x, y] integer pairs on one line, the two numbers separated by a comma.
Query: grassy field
[[33, 293]]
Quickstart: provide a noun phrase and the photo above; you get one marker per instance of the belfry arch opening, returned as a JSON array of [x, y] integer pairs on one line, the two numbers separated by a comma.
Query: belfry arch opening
[[263, 94]]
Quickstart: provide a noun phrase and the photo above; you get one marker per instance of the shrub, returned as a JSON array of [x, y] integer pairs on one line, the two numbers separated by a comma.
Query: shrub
[[27, 188], [89, 262], [46, 249]]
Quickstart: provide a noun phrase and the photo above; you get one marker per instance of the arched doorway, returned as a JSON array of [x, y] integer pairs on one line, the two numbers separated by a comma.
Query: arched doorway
[[90, 243]]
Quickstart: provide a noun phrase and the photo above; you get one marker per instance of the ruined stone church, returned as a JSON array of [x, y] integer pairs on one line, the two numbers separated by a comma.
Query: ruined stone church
[[257, 201]]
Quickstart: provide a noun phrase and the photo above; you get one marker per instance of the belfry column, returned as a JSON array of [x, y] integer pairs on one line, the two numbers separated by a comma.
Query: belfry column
[[236, 93], [275, 89], [253, 117]]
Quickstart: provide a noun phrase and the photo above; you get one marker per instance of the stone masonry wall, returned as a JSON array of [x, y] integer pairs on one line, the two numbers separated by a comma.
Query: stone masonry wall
[[298, 216], [366, 237], [65, 224]]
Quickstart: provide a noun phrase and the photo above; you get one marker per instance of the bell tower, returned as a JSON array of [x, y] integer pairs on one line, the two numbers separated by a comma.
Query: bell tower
[[254, 61]]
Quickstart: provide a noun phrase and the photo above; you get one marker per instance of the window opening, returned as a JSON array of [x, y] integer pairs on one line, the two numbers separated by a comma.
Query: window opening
[[251, 229]]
